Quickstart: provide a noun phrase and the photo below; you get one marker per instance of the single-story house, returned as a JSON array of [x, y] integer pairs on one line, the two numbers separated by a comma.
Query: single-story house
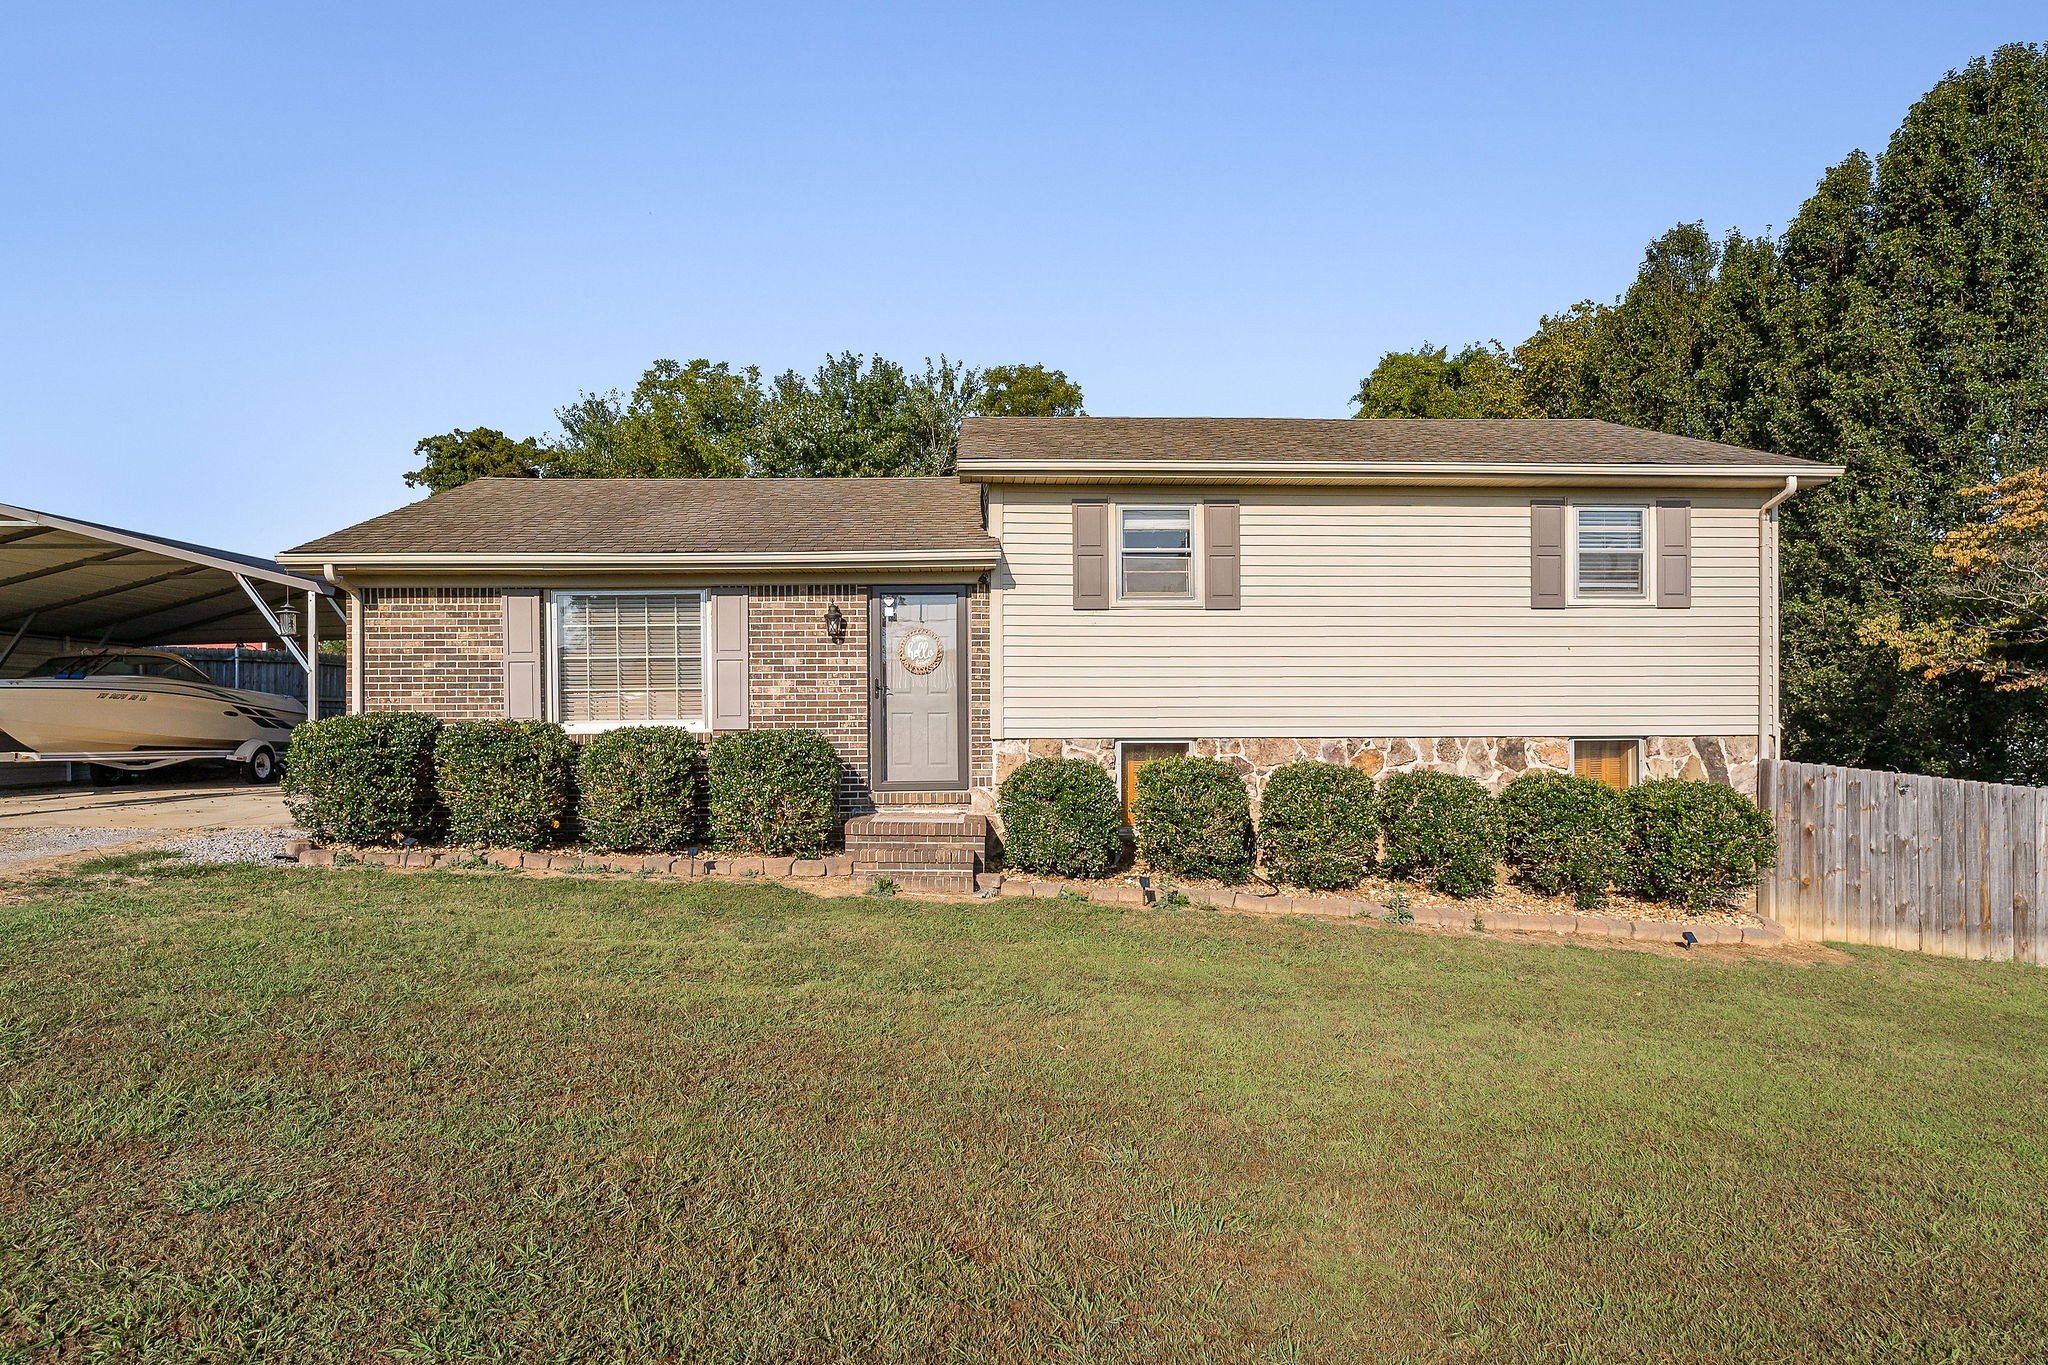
[[1486, 597]]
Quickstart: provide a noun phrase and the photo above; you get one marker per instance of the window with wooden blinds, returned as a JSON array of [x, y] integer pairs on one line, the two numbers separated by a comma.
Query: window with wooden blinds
[[629, 659], [1612, 761], [1133, 756]]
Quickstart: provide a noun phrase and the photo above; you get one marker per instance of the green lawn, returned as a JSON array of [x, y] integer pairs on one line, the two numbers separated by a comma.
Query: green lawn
[[298, 1114]]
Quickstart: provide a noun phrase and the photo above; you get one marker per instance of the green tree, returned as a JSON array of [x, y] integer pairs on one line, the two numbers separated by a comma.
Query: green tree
[[456, 457], [1429, 381], [851, 417], [1028, 391], [1551, 365], [697, 419]]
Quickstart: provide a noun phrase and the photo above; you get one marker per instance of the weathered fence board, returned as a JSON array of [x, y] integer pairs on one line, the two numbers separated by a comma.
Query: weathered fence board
[[1927, 864], [272, 670]]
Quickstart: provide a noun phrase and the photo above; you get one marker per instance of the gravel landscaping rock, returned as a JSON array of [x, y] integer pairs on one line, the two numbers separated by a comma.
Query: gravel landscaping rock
[[19, 845], [200, 845]]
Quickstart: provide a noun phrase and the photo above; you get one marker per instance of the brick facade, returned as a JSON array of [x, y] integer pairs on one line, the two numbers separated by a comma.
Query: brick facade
[[434, 649], [442, 649], [798, 679]]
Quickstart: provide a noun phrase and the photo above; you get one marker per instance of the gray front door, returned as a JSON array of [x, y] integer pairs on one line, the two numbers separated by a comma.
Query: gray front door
[[922, 674]]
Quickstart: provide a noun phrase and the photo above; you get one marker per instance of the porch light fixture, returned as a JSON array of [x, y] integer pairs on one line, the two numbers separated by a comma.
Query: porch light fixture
[[288, 622], [835, 624]]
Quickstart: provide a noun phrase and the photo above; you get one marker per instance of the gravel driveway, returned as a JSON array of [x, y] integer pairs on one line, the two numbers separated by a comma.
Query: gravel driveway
[[220, 822]]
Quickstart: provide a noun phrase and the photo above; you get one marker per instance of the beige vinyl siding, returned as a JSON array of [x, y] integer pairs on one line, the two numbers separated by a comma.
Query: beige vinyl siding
[[1377, 612]]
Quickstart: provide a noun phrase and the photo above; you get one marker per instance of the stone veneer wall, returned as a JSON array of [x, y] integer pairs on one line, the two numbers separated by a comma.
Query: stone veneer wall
[[1727, 759], [434, 649]]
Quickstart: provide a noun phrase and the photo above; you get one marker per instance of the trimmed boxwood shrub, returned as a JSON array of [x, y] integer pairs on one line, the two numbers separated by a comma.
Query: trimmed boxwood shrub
[[1441, 829], [364, 779], [1194, 818], [506, 783], [640, 787], [1061, 818], [1564, 834], [1318, 827], [1695, 844], [774, 792]]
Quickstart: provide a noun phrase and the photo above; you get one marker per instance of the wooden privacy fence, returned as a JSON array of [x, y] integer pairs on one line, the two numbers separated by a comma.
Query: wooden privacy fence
[[273, 670], [1929, 864]]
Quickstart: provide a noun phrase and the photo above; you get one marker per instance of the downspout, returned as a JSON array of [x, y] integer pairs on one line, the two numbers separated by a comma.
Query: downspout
[[355, 636], [1768, 625]]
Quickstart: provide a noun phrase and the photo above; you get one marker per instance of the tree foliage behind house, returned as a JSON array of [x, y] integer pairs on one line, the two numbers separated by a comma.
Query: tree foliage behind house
[[1898, 326], [853, 415]]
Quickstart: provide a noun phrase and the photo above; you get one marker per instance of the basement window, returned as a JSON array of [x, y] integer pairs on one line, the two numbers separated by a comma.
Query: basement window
[[1616, 762]]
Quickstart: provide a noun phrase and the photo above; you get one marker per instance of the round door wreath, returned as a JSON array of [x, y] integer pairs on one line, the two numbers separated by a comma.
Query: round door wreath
[[919, 651]]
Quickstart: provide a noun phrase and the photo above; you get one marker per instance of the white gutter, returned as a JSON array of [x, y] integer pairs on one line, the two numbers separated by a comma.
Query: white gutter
[[826, 559], [352, 621], [1769, 623], [1404, 470]]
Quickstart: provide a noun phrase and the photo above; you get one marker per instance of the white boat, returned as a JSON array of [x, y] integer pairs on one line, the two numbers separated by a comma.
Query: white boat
[[133, 700]]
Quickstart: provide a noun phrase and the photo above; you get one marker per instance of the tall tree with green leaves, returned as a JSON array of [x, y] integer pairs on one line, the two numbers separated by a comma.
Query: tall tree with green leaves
[[696, 419], [1429, 381], [456, 457], [1027, 391], [852, 417]]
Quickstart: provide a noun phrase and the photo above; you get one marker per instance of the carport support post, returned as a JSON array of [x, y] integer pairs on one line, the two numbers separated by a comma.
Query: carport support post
[[312, 655]]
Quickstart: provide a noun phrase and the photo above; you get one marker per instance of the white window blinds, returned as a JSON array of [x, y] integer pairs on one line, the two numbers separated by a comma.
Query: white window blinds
[[626, 658], [1157, 552], [1610, 551]]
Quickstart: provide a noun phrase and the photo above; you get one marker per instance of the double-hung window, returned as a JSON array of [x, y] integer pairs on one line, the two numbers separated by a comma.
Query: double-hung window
[[1609, 553], [629, 658], [1156, 552]]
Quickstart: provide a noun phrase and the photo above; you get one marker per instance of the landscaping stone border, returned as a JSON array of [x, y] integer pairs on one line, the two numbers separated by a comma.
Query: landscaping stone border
[[1472, 917]]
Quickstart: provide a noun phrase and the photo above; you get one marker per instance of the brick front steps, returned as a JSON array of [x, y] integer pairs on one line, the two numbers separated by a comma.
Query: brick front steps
[[947, 877], [935, 852]]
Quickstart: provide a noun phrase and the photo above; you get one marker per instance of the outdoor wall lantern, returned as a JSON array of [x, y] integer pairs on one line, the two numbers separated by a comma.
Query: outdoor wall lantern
[[835, 624]]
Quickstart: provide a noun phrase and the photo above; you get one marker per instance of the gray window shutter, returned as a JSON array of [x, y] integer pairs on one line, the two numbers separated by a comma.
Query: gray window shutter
[[1546, 554], [729, 659], [1674, 554], [1222, 584], [523, 699], [1093, 587]]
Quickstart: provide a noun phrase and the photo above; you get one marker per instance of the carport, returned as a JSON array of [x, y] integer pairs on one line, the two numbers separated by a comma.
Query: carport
[[67, 584]]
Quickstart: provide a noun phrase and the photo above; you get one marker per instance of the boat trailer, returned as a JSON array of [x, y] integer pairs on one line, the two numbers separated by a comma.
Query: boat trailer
[[257, 758]]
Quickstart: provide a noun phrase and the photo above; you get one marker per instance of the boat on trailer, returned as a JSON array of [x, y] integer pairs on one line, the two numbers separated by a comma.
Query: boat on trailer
[[143, 708]]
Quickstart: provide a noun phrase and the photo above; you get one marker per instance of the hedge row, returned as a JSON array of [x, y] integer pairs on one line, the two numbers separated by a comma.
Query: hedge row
[[1324, 827], [382, 777]]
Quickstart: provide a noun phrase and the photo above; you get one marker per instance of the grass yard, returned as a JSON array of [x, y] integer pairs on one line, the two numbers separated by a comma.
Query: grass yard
[[295, 1114]]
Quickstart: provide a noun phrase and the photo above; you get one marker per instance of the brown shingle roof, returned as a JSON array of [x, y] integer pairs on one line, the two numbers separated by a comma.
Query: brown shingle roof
[[1341, 440], [735, 517]]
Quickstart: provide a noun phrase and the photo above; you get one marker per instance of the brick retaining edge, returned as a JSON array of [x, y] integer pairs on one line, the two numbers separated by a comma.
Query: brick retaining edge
[[1475, 919]]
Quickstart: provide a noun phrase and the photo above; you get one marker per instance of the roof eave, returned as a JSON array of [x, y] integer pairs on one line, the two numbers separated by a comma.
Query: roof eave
[[1409, 473], [343, 561]]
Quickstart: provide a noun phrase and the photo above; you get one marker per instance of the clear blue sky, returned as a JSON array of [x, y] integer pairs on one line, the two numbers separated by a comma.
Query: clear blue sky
[[252, 253]]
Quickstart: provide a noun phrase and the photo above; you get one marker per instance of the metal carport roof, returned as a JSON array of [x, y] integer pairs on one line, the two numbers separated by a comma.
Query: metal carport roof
[[61, 578]]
